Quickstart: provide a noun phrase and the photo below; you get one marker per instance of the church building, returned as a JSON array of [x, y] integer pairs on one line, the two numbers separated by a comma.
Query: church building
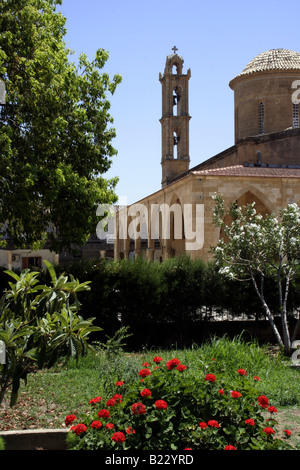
[[263, 165]]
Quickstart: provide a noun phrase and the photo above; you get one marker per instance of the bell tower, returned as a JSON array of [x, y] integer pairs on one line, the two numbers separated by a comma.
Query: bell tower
[[175, 118]]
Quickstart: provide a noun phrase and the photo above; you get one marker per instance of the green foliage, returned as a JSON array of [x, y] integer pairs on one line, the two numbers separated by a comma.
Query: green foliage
[[39, 325], [2, 444], [254, 247], [174, 406], [115, 345], [55, 129], [176, 296]]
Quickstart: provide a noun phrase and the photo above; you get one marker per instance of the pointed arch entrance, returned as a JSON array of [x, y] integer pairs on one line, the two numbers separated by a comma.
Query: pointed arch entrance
[[177, 231], [261, 205], [248, 196]]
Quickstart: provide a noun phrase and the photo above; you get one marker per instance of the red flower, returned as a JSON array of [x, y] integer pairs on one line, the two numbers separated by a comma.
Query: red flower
[[172, 363], [118, 437], [117, 397], [104, 413], [235, 394], [229, 447], [109, 426], [210, 377], [263, 401], [119, 383], [203, 425], [256, 378], [130, 430], [269, 431], [93, 401], [213, 423], [272, 409], [144, 372], [221, 391], [287, 432], [146, 364], [145, 392], [69, 419], [242, 372], [138, 409], [161, 404], [111, 402], [250, 421], [79, 428], [96, 424], [157, 359], [187, 448], [181, 367]]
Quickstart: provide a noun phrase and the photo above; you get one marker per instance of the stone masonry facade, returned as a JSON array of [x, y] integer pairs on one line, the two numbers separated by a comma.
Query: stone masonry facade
[[263, 165]]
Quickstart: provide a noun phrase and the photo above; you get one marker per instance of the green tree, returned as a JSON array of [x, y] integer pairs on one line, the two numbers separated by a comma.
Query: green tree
[[255, 247], [55, 129]]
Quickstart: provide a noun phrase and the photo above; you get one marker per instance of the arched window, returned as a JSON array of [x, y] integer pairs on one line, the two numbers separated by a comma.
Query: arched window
[[261, 118], [176, 143], [295, 115], [176, 101]]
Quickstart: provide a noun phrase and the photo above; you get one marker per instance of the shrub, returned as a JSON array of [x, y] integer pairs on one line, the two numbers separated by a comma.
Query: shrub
[[169, 407], [40, 325]]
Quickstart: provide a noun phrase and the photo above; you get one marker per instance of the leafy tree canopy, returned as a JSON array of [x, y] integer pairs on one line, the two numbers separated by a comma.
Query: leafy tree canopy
[[253, 246], [55, 130]]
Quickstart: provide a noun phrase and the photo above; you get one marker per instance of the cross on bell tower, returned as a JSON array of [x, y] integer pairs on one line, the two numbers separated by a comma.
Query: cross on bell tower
[[175, 118]]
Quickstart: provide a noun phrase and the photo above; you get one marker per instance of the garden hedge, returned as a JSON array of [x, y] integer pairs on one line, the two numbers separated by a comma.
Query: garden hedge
[[156, 299]]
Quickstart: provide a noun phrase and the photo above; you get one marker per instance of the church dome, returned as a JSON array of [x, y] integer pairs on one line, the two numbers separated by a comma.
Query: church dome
[[274, 59]]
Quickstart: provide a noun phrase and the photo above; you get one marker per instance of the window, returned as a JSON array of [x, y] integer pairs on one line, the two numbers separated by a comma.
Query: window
[[176, 101], [176, 143], [295, 115], [236, 123], [31, 262], [261, 118]]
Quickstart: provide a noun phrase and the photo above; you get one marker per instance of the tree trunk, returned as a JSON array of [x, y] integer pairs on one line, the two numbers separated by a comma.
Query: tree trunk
[[4, 386], [272, 323], [267, 312], [284, 322]]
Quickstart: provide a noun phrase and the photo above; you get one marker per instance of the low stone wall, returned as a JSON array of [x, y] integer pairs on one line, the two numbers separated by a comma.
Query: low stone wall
[[35, 439]]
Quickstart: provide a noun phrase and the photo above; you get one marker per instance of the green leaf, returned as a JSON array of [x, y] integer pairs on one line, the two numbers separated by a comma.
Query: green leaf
[[51, 271], [12, 274]]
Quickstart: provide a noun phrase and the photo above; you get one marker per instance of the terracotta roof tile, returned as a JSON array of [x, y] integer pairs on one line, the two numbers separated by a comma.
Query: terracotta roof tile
[[274, 59], [251, 171]]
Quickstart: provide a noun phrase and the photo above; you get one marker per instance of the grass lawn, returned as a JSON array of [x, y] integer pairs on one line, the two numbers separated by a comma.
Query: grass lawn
[[50, 395]]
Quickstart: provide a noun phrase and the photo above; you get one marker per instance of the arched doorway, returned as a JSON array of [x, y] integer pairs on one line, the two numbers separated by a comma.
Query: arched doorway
[[248, 197]]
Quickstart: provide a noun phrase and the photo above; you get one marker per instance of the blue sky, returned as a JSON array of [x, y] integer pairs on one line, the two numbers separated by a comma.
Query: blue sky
[[216, 39]]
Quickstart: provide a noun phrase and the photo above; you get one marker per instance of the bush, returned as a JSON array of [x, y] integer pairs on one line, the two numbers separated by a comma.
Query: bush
[[170, 406], [40, 325], [157, 299]]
